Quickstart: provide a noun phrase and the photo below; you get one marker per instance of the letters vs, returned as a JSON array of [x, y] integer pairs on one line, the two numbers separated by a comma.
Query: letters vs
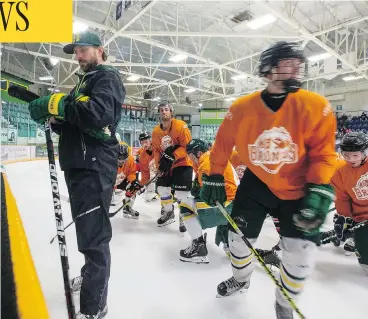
[[13, 15]]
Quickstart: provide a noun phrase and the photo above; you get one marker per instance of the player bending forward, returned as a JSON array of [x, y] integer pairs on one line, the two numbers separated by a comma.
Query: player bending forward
[[351, 185], [286, 138], [147, 166], [127, 181], [169, 141], [196, 214]]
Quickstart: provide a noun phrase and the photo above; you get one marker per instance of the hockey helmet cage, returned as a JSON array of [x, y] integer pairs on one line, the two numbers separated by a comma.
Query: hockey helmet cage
[[276, 52], [144, 136], [123, 152], [196, 145], [354, 142]]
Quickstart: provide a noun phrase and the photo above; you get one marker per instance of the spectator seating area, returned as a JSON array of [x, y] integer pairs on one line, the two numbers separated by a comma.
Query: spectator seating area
[[346, 123], [208, 132], [16, 115]]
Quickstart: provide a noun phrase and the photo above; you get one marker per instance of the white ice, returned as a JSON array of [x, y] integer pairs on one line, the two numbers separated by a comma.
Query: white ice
[[148, 281]]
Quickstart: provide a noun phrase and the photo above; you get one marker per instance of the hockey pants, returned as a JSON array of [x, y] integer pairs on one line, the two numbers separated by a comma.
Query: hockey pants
[[90, 195]]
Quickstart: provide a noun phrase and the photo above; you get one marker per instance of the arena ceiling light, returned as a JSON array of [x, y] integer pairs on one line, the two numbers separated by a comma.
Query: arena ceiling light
[[318, 57], [79, 27], [54, 61], [239, 77], [261, 21], [54, 90], [178, 58], [46, 78], [133, 77], [230, 99], [190, 90], [352, 77]]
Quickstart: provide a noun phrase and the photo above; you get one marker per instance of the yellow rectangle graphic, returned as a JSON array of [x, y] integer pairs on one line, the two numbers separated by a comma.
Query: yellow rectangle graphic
[[36, 21]]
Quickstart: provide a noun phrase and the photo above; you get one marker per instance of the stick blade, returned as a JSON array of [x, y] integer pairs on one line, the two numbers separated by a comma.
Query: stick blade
[[22, 94]]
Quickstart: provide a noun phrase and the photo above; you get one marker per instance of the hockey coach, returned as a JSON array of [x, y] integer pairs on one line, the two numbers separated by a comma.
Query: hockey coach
[[86, 120]]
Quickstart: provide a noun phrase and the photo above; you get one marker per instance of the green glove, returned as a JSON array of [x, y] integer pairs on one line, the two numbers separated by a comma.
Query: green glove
[[315, 207], [196, 189], [46, 107], [213, 189]]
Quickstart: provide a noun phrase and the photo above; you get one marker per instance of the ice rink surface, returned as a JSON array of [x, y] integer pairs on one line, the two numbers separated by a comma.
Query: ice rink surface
[[148, 281]]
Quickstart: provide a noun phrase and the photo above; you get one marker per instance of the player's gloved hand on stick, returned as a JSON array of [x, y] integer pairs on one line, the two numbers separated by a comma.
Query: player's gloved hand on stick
[[213, 189], [315, 208], [167, 159], [47, 106], [134, 186], [342, 224]]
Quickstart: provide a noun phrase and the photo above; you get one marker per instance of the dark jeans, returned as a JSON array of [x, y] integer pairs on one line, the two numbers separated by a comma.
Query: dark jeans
[[90, 196]]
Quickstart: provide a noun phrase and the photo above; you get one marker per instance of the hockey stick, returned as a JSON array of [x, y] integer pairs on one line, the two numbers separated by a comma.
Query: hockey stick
[[140, 191], [330, 235], [27, 96], [125, 203], [260, 260]]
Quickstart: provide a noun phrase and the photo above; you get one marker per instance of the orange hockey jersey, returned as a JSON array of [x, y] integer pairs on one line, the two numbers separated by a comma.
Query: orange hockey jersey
[[285, 149], [177, 134], [146, 164], [351, 188], [127, 171], [231, 179]]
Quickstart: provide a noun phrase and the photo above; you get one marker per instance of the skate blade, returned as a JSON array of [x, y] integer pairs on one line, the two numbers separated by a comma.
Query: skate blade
[[130, 216], [348, 253], [196, 260], [239, 292], [166, 223]]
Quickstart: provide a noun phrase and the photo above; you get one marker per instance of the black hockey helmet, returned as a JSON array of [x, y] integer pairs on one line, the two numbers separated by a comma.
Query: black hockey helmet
[[354, 142], [196, 145], [144, 136], [276, 52], [123, 152]]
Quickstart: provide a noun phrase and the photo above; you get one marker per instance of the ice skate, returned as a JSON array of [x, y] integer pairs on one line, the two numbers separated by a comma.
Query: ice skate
[[283, 312], [270, 257], [129, 212], [349, 247], [101, 314], [231, 287], [182, 228], [76, 284], [166, 218], [196, 252]]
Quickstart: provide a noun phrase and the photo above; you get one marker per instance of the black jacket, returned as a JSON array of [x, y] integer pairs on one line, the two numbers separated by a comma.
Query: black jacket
[[102, 110]]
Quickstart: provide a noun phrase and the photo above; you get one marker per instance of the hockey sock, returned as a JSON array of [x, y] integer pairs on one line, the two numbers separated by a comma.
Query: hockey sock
[[241, 257], [297, 264]]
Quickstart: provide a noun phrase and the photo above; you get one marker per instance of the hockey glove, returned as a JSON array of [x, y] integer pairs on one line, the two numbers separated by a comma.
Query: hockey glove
[[315, 208], [133, 187], [213, 189], [167, 159], [46, 107], [196, 189], [342, 224]]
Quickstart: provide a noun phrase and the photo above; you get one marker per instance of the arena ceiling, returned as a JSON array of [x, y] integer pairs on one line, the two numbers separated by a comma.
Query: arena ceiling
[[203, 51]]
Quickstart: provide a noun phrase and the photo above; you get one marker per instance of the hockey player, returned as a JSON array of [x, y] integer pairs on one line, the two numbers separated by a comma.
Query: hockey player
[[196, 214], [286, 137], [169, 140], [126, 180], [87, 119], [144, 157], [351, 186]]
